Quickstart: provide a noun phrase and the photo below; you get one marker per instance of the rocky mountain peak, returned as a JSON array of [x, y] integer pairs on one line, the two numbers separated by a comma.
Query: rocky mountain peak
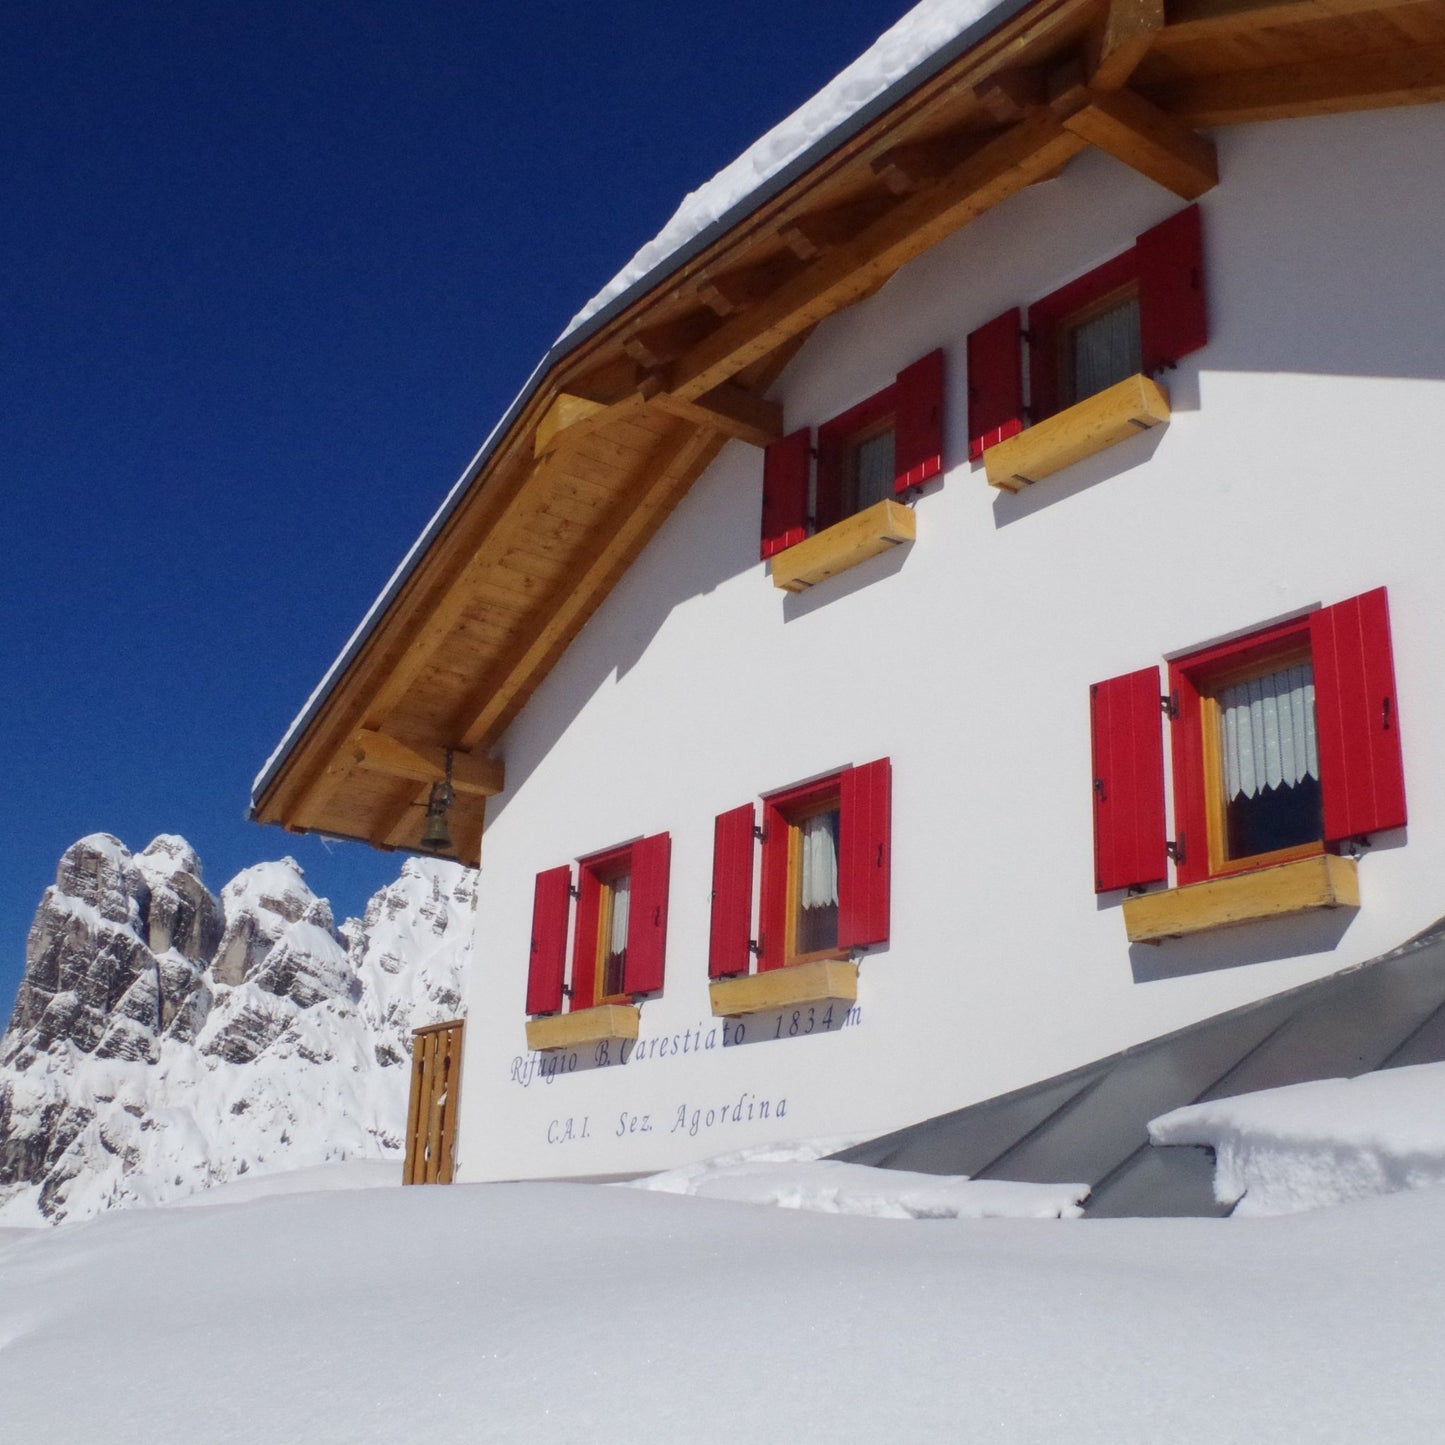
[[164, 1038]]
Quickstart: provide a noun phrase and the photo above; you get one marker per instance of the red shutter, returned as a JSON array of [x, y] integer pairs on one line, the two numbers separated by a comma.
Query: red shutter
[[1362, 771], [785, 492], [549, 941], [732, 893], [833, 445], [1128, 740], [918, 422], [1173, 320], [995, 383], [773, 907], [865, 846], [647, 915], [585, 939]]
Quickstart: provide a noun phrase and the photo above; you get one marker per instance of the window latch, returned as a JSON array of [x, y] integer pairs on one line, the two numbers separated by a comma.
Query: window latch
[[1169, 705]]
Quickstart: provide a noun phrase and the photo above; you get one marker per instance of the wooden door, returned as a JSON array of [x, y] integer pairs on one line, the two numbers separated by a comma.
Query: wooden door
[[431, 1116]]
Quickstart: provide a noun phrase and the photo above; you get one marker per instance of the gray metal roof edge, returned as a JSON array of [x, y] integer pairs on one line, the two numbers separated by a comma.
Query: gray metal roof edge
[[858, 120], [1430, 936]]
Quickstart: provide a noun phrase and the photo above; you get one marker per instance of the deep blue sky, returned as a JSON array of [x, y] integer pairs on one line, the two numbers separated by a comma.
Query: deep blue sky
[[269, 272]]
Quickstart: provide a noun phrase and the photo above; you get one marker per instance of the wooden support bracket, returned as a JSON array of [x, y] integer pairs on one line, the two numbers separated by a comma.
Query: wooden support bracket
[[1129, 30], [1011, 95], [654, 346], [808, 237], [379, 752], [1142, 136], [908, 168], [730, 409]]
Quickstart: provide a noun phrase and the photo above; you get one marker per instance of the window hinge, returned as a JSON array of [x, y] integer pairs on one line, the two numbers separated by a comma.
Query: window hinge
[[566, 990], [755, 946], [758, 833], [573, 891], [1169, 704], [1175, 849]]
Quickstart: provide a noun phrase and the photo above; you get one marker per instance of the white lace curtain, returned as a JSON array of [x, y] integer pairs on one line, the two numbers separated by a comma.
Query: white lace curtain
[[874, 461], [820, 861], [621, 904], [1268, 732], [1106, 348]]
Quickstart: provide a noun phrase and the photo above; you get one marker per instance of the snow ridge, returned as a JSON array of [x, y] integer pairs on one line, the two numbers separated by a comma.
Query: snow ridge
[[164, 1040]]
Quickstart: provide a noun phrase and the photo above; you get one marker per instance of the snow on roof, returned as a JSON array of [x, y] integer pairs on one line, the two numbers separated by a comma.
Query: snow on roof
[[1326, 1142], [925, 39], [925, 29]]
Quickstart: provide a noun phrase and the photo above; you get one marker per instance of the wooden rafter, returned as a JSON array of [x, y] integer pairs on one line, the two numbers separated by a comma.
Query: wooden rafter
[[379, 752], [1369, 81], [1196, 20], [1129, 30], [732, 410], [997, 170], [484, 712], [1143, 137]]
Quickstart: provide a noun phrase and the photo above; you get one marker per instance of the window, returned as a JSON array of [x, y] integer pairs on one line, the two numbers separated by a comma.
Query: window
[[619, 931], [1283, 744], [876, 450], [1137, 314], [856, 460], [1248, 770], [825, 873]]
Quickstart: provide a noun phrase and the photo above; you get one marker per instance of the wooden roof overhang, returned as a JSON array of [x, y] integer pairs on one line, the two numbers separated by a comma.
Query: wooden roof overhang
[[627, 411]]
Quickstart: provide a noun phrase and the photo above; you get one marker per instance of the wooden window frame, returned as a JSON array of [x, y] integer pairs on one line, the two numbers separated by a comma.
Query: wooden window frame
[[1053, 321], [1194, 684], [566, 971], [835, 493], [785, 813], [605, 868]]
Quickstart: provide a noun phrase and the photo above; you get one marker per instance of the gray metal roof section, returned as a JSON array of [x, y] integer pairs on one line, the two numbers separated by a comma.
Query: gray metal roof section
[[1004, 11], [1091, 1124]]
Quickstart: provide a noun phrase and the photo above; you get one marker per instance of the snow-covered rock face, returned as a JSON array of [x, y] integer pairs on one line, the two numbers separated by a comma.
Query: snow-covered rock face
[[164, 1039]]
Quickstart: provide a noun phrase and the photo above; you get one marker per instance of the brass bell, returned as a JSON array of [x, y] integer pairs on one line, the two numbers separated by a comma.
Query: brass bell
[[435, 835]]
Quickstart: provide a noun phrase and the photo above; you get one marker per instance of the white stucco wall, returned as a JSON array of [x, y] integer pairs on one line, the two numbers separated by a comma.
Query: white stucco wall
[[1303, 465]]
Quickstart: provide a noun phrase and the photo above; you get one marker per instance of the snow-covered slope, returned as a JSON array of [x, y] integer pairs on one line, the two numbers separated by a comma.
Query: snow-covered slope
[[164, 1040], [577, 1312]]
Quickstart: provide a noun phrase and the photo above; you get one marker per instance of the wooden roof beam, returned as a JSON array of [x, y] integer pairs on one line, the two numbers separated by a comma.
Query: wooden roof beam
[[730, 409], [908, 168], [1372, 80], [482, 716], [566, 411], [1191, 20], [654, 346], [1010, 96], [811, 236], [999, 169], [1142, 136], [1130, 28], [379, 752], [734, 291]]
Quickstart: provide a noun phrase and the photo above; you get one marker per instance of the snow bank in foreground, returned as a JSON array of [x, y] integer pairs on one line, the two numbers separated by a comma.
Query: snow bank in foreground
[[926, 28], [797, 1176], [504, 1313], [1327, 1142]]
